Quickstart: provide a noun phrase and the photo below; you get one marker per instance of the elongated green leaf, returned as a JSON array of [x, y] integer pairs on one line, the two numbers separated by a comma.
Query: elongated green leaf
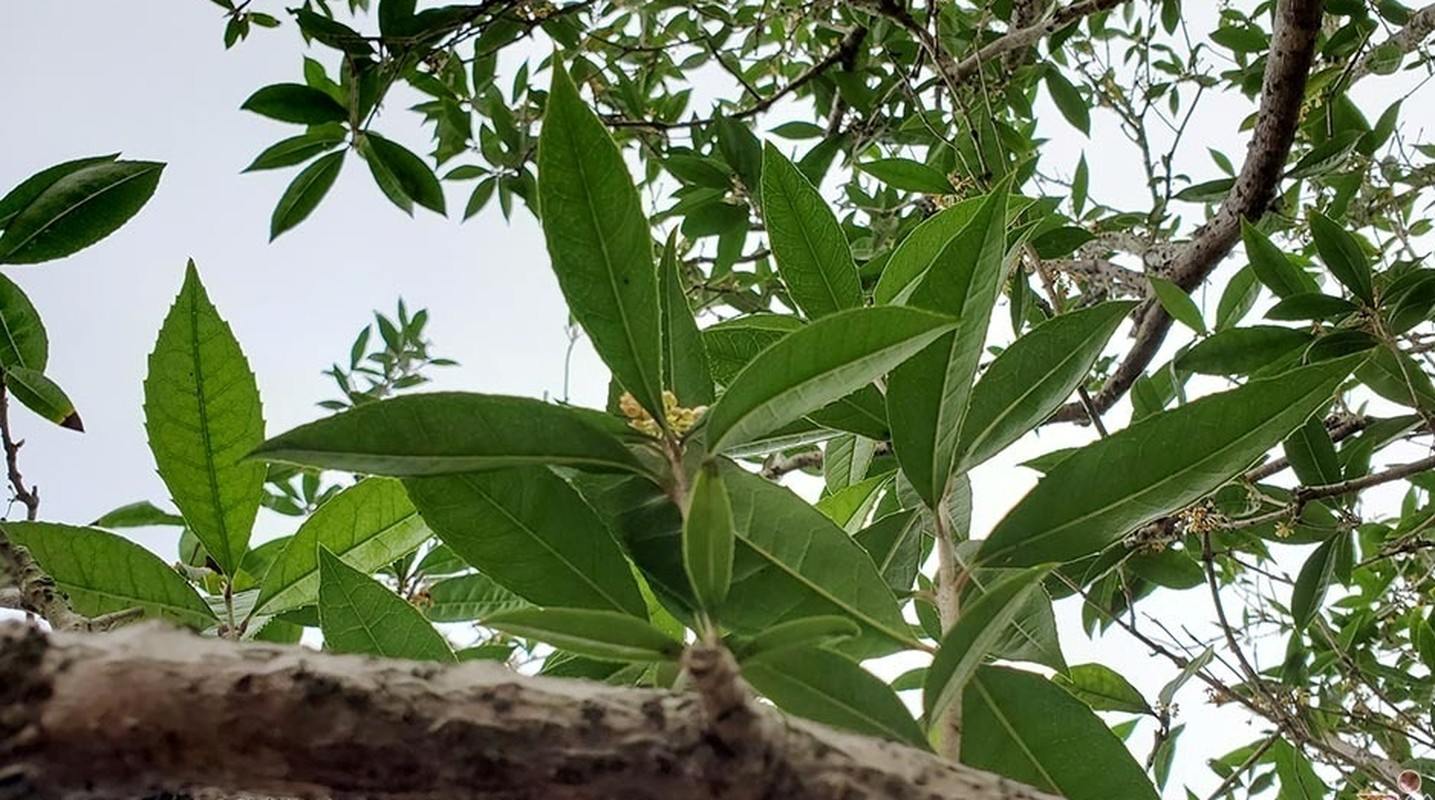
[[928, 396], [369, 525], [831, 688], [732, 344], [1068, 100], [531, 533], [812, 255], [1178, 304], [967, 645], [685, 361], [1343, 256], [297, 103], [1032, 378], [816, 365], [1025, 727], [449, 432], [43, 396], [412, 176], [1311, 305], [599, 241], [1299, 780], [203, 416], [895, 544], [798, 633], [1241, 351], [1312, 455], [77, 210], [102, 573], [297, 149], [1102, 688], [846, 460], [23, 342], [360, 615], [604, 635], [850, 506], [136, 515], [468, 597], [1156, 466], [1271, 265], [1315, 577], [304, 193], [915, 255], [708, 538], [907, 175], [32, 187]]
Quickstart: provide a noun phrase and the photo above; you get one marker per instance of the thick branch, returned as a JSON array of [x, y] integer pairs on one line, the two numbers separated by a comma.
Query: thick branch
[[150, 709], [1283, 90]]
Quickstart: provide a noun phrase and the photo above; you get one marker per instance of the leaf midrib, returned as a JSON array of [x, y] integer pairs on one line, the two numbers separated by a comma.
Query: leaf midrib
[[71, 209]]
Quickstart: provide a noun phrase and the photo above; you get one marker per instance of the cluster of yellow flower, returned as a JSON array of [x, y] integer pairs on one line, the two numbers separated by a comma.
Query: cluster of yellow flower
[[680, 419]]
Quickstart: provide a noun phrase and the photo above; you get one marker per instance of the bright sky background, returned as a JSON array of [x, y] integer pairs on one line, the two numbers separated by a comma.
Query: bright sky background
[[153, 80]]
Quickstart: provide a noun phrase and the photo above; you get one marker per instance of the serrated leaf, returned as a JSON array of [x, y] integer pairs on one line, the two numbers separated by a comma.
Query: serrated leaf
[[297, 103], [43, 396], [1156, 466], [102, 573], [815, 365], [708, 538], [449, 432], [368, 525], [603, 635], [600, 242], [830, 688], [360, 615], [468, 597], [77, 210], [304, 193], [202, 414], [812, 255], [531, 533]]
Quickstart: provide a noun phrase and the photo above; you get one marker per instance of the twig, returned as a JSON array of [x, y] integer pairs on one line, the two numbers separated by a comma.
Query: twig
[[28, 496]]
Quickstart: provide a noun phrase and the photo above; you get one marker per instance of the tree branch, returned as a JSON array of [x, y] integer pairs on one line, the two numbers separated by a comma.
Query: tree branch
[[1420, 25], [1282, 93], [961, 71], [150, 709]]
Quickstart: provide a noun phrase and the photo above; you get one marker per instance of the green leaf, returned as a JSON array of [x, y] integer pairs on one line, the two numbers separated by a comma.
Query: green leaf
[[895, 544], [708, 538], [603, 635], [305, 192], [297, 149], [815, 365], [798, 633], [928, 395], [409, 174], [1312, 455], [448, 432], [846, 460], [599, 242], [812, 255], [137, 515], [77, 210], [732, 344], [850, 506], [923, 246], [1343, 256], [1178, 304], [1102, 688], [907, 175], [43, 396], [297, 103], [1026, 728], [32, 187], [1299, 780], [202, 415], [23, 341], [969, 642], [1242, 351], [102, 573], [1061, 242], [1032, 378], [1156, 466], [1068, 100], [360, 615], [1271, 265], [531, 533], [468, 597], [369, 525], [1315, 577], [685, 361], [832, 689], [1311, 305]]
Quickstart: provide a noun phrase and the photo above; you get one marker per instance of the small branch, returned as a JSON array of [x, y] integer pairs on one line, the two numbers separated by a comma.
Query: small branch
[[961, 71], [38, 593], [778, 465], [1416, 29], [28, 496], [1304, 494]]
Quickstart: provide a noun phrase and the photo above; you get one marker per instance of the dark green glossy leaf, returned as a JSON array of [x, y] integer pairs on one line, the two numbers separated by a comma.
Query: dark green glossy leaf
[[360, 615], [1068, 100], [43, 396], [23, 341], [1241, 351], [603, 635], [812, 255], [907, 175], [1156, 466], [1102, 688], [831, 688], [410, 174], [1312, 454], [708, 538], [297, 103], [297, 149], [1311, 305], [77, 210], [449, 432], [1271, 265], [203, 416], [32, 187], [305, 192], [1315, 578], [815, 365], [102, 573], [468, 597], [602, 250], [1343, 256]]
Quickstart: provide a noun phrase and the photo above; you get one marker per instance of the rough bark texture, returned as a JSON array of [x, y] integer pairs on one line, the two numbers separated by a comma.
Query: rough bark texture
[[150, 709]]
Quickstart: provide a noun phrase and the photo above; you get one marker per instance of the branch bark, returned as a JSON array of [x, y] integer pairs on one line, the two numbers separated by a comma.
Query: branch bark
[[1282, 93], [150, 708], [1410, 36]]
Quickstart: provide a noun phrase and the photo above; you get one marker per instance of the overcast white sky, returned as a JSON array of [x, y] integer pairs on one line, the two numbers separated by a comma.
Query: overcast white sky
[[152, 79]]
